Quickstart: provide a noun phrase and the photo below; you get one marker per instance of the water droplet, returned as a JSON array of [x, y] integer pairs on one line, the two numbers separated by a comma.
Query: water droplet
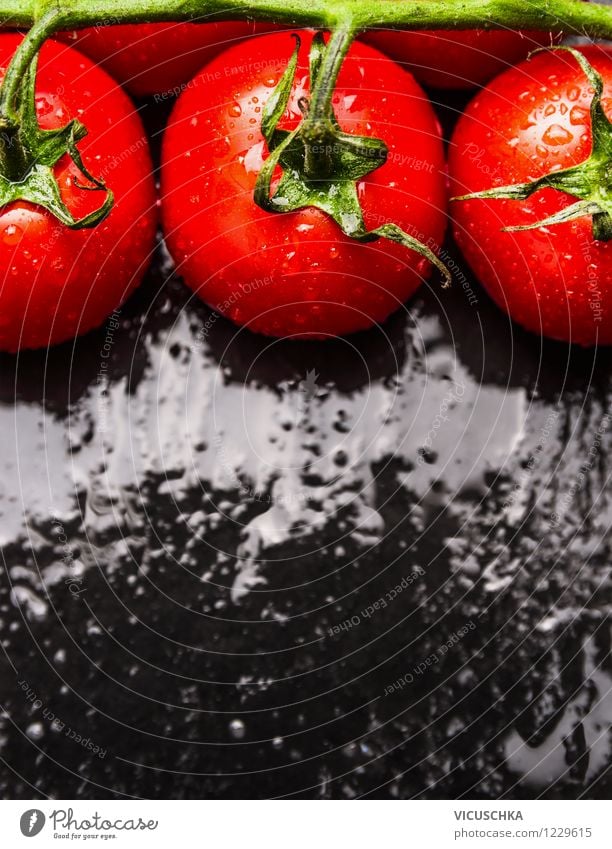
[[35, 731], [221, 147], [237, 729], [12, 234], [578, 115], [270, 82], [235, 110], [550, 110], [557, 135], [573, 94]]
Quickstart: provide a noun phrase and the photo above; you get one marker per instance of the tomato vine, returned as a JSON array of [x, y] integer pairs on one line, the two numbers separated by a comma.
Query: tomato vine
[[591, 19]]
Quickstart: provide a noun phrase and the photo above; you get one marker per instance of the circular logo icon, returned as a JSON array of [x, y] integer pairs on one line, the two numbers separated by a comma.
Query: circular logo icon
[[32, 822]]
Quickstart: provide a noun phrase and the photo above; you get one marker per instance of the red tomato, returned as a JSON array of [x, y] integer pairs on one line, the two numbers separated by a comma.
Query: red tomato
[[534, 119], [457, 59], [57, 282], [297, 273], [159, 58]]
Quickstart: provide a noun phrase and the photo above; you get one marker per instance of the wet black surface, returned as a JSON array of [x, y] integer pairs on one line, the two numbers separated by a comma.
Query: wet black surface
[[239, 567]]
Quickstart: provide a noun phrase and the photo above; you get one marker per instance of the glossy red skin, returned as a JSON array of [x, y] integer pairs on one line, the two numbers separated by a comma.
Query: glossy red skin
[[159, 58], [457, 59], [297, 273], [534, 118], [56, 283]]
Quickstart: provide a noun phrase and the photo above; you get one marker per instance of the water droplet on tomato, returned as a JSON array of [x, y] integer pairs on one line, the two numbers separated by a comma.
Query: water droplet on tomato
[[221, 147], [270, 82], [44, 105], [578, 115], [557, 135], [573, 94], [235, 110], [12, 234], [550, 110]]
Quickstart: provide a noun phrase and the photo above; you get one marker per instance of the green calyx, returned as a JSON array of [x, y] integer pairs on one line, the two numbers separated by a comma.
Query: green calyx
[[590, 182], [321, 165], [28, 154]]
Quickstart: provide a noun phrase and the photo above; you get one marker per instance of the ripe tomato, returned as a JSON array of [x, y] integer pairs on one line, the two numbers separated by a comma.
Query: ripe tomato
[[297, 273], [158, 58], [531, 120], [457, 59], [56, 282]]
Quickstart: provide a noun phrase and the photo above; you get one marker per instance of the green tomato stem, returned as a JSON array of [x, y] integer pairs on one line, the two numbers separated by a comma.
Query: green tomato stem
[[337, 48], [24, 55], [317, 128], [592, 19]]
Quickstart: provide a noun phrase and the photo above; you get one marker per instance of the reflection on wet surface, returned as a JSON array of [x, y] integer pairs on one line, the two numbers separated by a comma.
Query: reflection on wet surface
[[238, 566]]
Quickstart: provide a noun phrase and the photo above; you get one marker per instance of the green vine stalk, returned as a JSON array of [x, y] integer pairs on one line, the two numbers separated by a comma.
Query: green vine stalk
[[587, 18]]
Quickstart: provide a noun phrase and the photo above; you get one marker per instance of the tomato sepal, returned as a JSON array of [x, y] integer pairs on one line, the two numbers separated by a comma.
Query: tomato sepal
[[29, 154], [590, 181], [321, 165]]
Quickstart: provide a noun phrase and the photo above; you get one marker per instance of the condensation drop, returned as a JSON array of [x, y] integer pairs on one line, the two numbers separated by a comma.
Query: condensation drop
[[237, 729], [578, 115], [557, 135], [12, 234]]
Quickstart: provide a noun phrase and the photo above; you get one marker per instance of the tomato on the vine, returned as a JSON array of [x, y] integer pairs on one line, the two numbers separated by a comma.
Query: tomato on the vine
[[529, 122], [57, 282], [296, 273], [158, 58], [457, 59]]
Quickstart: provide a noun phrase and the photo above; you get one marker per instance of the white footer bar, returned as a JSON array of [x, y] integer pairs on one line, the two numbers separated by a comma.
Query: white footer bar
[[291, 825]]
